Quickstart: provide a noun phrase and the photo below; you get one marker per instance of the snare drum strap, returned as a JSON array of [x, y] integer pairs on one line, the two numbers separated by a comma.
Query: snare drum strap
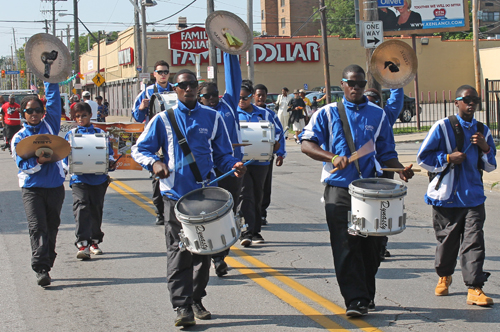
[[347, 132], [184, 146]]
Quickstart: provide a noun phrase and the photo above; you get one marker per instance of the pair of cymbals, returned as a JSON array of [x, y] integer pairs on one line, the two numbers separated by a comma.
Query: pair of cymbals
[[27, 147]]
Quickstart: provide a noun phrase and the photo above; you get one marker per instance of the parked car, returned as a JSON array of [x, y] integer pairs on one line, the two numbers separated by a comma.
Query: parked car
[[408, 111], [332, 88], [271, 100]]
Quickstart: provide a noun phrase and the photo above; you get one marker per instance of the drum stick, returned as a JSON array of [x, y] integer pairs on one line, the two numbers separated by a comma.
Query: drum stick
[[114, 162], [241, 144], [223, 176], [367, 148], [399, 169]]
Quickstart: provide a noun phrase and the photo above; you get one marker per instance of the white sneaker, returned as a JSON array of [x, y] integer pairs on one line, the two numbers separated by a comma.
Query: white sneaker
[[95, 249], [83, 253]]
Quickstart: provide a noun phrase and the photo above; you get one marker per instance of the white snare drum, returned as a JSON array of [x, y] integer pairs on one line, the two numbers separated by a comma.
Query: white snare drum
[[262, 137], [377, 207], [161, 102], [89, 154], [208, 223]]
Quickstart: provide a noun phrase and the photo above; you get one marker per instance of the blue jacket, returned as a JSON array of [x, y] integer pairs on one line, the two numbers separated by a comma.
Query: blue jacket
[[141, 116], [260, 114], [208, 140], [394, 105], [366, 121], [31, 173], [227, 106], [91, 179], [462, 186]]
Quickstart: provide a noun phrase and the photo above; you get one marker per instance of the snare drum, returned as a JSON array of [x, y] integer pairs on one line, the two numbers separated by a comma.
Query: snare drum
[[261, 136], [207, 219], [377, 207], [89, 154]]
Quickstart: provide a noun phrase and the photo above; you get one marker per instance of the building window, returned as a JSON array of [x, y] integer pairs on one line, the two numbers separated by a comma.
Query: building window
[[283, 23], [491, 16], [488, 4], [262, 15], [282, 3]]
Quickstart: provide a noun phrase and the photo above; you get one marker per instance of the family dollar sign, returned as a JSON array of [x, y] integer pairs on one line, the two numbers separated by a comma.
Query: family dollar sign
[[373, 34]]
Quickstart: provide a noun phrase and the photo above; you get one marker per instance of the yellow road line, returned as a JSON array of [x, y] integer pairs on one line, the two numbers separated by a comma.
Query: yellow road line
[[303, 290], [132, 198], [307, 310], [133, 191]]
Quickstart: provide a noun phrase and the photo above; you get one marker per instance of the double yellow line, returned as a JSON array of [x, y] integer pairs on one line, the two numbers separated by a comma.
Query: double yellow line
[[271, 287]]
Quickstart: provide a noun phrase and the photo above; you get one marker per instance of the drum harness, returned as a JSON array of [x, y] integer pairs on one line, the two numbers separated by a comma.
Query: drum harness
[[347, 133]]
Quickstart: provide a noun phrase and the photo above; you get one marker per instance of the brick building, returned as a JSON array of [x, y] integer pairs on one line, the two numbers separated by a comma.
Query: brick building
[[489, 18], [285, 17]]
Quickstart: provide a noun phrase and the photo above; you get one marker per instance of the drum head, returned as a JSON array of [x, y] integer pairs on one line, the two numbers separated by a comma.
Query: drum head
[[212, 202], [377, 188]]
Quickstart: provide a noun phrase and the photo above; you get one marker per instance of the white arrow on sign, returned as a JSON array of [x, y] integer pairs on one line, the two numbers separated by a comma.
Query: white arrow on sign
[[373, 34]]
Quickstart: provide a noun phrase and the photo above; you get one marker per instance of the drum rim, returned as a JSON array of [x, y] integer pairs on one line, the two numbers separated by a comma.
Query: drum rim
[[376, 194], [206, 218]]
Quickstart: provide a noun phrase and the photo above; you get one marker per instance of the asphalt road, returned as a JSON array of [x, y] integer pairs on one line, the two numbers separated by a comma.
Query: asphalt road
[[285, 284]]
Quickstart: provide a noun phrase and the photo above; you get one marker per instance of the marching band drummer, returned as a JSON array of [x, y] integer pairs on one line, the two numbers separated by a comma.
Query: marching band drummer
[[88, 190], [356, 258], [208, 95], [253, 181], [209, 142], [41, 181]]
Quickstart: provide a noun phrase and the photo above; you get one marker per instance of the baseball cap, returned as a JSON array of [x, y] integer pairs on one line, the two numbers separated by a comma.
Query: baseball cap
[[296, 91], [302, 90], [86, 94], [12, 96]]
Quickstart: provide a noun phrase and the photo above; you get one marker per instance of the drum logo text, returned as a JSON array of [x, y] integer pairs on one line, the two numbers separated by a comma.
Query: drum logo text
[[384, 205], [199, 230]]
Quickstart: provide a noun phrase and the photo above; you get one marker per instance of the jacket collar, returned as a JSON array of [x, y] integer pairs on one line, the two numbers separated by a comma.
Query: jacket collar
[[353, 106], [86, 129], [465, 124], [183, 108]]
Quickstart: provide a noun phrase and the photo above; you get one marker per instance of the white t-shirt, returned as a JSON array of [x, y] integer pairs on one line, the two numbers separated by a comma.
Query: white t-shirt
[[93, 106]]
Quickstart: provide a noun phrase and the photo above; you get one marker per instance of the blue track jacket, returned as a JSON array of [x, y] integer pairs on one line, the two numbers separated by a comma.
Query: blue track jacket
[[92, 179], [141, 116], [260, 114], [31, 173], [367, 121], [462, 186], [206, 134], [394, 105]]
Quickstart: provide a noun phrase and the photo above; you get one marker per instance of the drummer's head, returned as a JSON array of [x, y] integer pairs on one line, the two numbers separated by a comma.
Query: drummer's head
[[186, 87], [208, 94], [246, 94], [81, 113], [353, 83], [260, 95], [162, 73], [33, 110]]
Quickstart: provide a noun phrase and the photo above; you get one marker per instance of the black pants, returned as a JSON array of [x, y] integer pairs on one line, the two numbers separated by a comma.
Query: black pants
[[356, 258], [266, 198], [157, 198], [9, 132], [187, 273], [460, 230], [43, 211], [88, 203], [251, 196], [233, 185]]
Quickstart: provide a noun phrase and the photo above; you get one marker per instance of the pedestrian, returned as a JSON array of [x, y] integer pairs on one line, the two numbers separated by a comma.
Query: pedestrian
[[314, 105], [141, 114], [75, 99], [102, 110], [227, 106], [282, 108], [88, 190], [307, 101], [253, 181], [296, 108], [356, 258], [41, 181], [93, 104], [260, 97], [11, 119], [455, 152], [207, 138]]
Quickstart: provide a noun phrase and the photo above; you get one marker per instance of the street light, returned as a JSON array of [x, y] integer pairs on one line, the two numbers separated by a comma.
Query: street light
[[145, 3]]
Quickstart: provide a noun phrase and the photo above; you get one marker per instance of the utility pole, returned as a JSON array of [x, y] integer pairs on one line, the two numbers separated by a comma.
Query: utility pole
[[137, 36], [77, 44], [12, 68], [475, 45], [68, 31], [144, 40], [250, 51], [54, 18], [98, 57], [326, 61], [17, 60], [371, 14], [212, 58], [46, 26]]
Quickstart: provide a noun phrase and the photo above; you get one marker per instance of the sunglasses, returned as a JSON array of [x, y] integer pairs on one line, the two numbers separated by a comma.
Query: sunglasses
[[162, 72], [246, 98], [469, 99], [37, 110], [184, 85], [210, 95], [352, 83]]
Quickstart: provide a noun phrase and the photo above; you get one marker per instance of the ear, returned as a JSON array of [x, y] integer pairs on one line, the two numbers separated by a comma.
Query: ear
[[456, 103]]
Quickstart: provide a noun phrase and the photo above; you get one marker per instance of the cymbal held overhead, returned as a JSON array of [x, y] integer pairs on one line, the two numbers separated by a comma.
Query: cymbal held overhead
[[48, 59]]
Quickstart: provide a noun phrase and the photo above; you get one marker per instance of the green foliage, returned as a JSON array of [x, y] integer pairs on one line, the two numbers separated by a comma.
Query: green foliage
[[340, 18]]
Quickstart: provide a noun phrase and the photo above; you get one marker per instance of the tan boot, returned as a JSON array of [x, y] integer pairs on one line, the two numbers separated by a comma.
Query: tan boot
[[442, 286], [476, 296]]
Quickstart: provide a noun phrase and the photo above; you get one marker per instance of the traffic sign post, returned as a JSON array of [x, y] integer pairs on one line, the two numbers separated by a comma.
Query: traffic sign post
[[373, 34]]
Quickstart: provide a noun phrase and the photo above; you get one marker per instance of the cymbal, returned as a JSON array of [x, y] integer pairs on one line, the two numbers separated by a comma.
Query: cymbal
[[222, 27], [394, 64], [48, 58], [28, 146]]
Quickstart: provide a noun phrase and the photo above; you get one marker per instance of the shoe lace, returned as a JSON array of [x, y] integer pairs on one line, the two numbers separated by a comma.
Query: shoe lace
[[199, 306], [443, 280]]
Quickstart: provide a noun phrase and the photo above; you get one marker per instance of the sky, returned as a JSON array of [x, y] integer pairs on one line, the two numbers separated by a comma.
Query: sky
[[107, 15]]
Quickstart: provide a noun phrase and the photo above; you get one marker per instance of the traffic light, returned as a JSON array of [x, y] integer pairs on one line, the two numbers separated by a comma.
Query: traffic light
[[3, 73], [22, 73]]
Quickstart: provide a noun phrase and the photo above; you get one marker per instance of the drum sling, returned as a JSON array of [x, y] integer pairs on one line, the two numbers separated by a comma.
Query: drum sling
[[347, 133]]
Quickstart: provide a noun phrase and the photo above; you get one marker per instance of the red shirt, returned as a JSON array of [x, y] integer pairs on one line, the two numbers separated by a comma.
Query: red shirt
[[11, 116]]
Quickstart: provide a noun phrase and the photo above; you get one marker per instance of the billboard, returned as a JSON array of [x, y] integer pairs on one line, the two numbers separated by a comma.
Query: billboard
[[424, 17]]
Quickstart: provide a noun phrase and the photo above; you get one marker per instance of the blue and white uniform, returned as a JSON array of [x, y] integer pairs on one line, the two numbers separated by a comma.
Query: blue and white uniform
[[462, 186], [141, 116], [394, 105]]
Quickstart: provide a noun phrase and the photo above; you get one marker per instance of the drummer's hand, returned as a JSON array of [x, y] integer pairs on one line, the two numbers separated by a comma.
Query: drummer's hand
[[161, 170], [276, 146], [240, 169], [112, 165], [43, 159], [341, 162], [144, 104], [480, 141], [407, 173], [279, 161]]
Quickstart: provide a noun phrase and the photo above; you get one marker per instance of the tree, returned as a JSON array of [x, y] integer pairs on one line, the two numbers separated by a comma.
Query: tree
[[340, 18]]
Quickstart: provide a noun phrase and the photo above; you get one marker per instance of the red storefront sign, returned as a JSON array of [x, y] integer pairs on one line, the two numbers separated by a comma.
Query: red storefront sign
[[191, 40]]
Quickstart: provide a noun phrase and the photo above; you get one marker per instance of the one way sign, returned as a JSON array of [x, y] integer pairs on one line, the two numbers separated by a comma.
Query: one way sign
[[373, 34]]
